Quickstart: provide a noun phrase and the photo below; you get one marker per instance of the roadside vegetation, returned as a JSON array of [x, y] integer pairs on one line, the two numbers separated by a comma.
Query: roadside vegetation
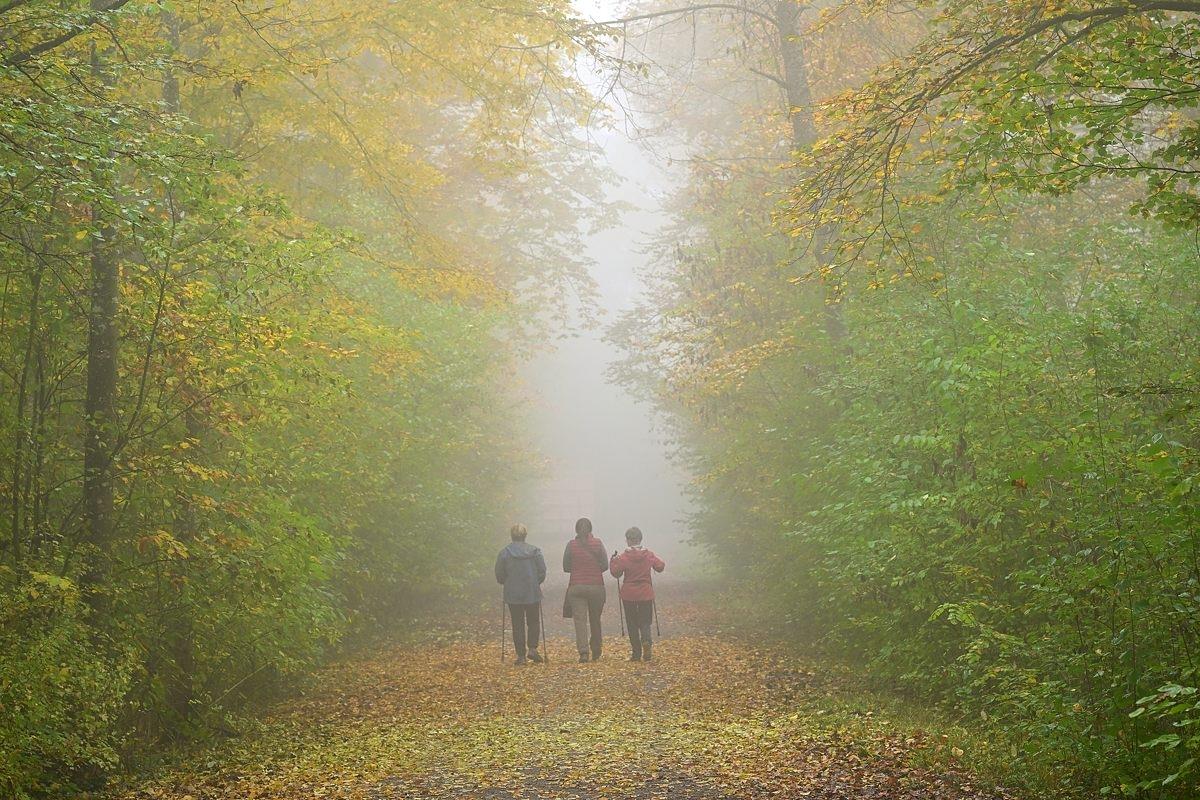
[[927, 327], [266, 271]]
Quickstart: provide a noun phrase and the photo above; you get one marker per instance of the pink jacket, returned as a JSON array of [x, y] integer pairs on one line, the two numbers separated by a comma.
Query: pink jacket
[[636, 564]]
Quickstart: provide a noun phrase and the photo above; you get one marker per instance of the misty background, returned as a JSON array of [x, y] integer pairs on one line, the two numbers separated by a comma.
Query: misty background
[[606, 454]]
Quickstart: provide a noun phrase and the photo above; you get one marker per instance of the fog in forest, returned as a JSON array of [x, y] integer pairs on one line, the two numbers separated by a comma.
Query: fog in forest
[[607, 455], [879, 318]]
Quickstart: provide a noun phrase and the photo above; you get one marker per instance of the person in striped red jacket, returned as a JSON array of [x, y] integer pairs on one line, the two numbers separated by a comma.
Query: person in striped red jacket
[[584, 559]]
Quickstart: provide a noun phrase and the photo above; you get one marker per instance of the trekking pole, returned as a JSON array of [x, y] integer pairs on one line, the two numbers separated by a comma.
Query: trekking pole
[[657, 630], [545, 641], [620, 607], [502, 628]]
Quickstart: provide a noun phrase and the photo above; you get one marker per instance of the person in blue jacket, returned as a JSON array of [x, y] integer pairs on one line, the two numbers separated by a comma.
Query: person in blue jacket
[[521, 567]]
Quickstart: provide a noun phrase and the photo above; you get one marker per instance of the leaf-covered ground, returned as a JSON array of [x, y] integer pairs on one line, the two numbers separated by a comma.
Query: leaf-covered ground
[[710, 718]]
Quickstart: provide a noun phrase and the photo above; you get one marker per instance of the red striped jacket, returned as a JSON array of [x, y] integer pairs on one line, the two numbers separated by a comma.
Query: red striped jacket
[[585, 560]]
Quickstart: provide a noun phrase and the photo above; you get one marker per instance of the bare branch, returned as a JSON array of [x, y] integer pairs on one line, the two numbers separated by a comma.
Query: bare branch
[[99, 11], [686, 10], [772, 78]]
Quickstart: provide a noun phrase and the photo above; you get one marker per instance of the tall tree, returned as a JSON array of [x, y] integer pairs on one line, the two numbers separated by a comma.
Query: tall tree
[[100, 400]]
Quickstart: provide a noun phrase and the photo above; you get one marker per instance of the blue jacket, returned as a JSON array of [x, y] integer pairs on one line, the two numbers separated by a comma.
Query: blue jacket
[[521, 568]]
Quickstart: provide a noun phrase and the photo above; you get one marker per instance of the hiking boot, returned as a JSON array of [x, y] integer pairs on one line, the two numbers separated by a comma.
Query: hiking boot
[[583, 658], [636, 655], [521, 661], [534, 657], [645, 652]]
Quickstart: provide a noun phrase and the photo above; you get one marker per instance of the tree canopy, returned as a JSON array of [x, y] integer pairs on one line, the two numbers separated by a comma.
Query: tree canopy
[[268, 268], [977, 480]]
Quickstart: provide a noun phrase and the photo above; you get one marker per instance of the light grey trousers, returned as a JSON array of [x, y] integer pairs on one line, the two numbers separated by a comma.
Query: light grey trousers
[[587, 602]]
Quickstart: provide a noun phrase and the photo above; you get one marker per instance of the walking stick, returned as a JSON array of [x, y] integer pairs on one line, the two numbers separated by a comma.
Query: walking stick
[[620, 607], [503, 616], [657, 630], [545, 642]]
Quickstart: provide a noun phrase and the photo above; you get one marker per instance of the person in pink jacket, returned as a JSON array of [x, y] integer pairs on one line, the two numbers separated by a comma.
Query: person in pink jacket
[[637, 564]]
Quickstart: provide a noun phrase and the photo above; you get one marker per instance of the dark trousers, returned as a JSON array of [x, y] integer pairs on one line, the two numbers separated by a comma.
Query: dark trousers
[[638, 616], [525, 617]]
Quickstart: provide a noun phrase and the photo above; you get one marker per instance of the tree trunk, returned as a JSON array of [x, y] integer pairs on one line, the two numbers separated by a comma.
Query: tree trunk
[[24, 431], [797, 90], [798, 93], [100, 406], [180, 678], [40, 498]]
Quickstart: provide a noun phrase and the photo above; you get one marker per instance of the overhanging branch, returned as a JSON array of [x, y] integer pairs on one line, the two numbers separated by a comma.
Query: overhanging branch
[[99, 11], [686, 10]]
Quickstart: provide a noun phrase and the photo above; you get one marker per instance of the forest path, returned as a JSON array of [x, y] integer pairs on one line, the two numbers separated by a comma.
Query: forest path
[[708, 718]]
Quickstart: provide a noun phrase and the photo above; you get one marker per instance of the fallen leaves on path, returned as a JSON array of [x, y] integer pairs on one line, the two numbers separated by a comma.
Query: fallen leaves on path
[[707, 719]]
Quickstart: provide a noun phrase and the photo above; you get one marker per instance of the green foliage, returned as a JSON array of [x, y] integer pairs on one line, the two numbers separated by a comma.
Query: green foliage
[[989, 499], [1039, 97], [944, 405], [316, 223], [60, 693], [1177, 709], [1028, 531]]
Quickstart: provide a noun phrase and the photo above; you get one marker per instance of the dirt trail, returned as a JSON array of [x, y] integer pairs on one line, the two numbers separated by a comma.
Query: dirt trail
[[708, 719]]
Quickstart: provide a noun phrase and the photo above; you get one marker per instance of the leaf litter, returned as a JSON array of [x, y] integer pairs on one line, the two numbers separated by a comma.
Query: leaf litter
[[710, 718]]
